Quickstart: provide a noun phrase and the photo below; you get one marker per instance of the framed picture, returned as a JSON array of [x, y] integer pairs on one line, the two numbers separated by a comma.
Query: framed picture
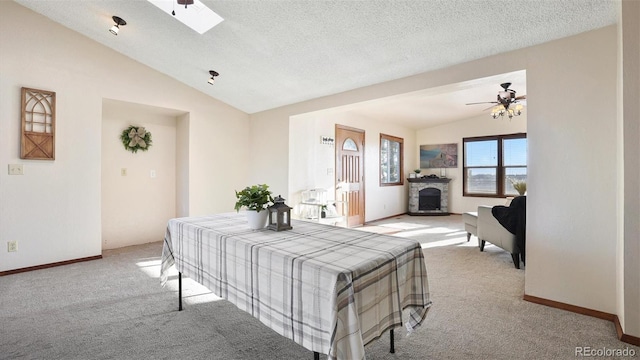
[[38, 124], [439, 156]]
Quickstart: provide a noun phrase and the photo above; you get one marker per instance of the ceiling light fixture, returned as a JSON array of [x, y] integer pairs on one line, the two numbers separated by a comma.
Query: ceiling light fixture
[[213, 74], [501, 110], [507, 103], [185, 2], [116, 28]]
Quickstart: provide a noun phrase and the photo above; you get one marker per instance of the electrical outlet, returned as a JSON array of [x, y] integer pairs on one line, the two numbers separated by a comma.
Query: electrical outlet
[[16, 169], [12, 246]]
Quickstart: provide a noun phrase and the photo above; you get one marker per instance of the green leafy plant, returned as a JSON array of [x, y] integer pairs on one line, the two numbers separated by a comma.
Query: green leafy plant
[[519, 185], [256, 197]]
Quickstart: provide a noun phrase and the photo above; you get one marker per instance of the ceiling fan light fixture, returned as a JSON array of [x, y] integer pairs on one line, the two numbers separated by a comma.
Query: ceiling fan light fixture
[[506, 103], [497, 111], [118, 22]]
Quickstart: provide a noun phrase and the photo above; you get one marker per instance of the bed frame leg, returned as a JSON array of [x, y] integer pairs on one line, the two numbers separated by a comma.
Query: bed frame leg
[[179, 291], [393, 349]]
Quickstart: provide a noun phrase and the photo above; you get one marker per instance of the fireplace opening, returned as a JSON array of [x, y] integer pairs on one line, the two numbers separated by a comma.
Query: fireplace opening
[[429, 199]]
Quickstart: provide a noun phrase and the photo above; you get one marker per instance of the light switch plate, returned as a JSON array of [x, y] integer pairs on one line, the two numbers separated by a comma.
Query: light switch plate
[[12, 246], [16, 169]]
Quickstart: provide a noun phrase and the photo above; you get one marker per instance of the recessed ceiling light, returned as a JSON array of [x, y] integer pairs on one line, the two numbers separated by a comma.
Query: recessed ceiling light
[[196, 16]]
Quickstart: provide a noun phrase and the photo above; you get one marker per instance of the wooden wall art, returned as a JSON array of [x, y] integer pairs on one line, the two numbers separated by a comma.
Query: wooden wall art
[[37, 140]]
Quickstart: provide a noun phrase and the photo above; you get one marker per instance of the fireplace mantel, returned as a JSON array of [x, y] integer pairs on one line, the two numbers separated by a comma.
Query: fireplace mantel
[[428, 180], [418, 184]]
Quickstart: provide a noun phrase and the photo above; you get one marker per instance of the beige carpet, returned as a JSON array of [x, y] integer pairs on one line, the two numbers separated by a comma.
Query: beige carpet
[[114, 308]]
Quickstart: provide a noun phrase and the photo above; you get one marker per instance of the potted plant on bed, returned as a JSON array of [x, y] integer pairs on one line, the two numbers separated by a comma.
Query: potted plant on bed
[[256, 199]]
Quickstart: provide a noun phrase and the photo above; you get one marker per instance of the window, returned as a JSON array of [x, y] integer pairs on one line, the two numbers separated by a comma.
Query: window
[[391, 158], [350, 145], [493, 163]]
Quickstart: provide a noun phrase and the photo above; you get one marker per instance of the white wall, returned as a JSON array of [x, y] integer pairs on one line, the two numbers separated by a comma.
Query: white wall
[[571, 202], [269, 145], [136, 207], [182, 165], [630, 249], [453, 133], [571, 127], [54, 210], [310, 162]]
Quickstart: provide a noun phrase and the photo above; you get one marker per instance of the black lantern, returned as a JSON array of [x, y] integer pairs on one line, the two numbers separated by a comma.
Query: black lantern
[[279, 215]]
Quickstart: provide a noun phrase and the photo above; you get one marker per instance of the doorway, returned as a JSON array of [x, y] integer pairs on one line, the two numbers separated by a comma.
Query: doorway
[[350, 173]]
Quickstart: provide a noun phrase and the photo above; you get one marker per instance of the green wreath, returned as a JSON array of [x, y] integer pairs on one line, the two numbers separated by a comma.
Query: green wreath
[[136, 138]]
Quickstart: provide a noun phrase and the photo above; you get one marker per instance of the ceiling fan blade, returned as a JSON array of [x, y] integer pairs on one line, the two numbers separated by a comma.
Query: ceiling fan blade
[[522, 97], [484, 102]]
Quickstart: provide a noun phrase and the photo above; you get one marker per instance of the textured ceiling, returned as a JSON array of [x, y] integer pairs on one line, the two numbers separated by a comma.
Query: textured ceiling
[[271, 53]]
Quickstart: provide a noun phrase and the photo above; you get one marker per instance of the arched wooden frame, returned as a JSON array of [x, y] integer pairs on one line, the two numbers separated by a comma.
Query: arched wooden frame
[[37, 140]]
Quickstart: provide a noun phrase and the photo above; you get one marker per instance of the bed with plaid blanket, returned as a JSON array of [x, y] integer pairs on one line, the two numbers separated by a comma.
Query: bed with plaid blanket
[[329, 289]]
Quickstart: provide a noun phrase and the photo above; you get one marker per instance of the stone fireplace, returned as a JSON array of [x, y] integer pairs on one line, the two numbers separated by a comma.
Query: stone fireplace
[[428, 196]]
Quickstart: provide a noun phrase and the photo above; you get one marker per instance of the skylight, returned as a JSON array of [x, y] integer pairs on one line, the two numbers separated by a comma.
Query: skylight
[[197, 16]]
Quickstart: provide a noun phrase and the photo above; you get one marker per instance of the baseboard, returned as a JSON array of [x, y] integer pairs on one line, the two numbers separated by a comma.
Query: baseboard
[[46, 266], [630, 339], [633, 340]]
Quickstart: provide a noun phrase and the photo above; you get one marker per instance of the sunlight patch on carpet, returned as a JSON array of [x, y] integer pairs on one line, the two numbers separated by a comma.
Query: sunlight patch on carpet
[[150, 267], [427, 231], [403, 225], [460, 241], [192, 292], [377, 229]]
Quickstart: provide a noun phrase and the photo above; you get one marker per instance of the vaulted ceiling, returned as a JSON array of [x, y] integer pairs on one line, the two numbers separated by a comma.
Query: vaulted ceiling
[[272, 53]]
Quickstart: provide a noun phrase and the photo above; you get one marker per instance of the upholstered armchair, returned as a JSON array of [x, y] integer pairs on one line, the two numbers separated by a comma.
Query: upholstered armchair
[[489, 229]]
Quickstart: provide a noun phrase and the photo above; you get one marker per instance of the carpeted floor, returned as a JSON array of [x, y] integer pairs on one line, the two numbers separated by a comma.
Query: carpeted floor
[[114, 308]]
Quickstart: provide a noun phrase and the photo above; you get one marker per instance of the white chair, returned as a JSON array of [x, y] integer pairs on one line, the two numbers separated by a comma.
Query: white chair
[[489, 229]]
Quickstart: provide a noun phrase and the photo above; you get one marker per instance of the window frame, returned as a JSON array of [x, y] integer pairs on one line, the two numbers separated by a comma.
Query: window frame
[[500, 167], [399, 140]]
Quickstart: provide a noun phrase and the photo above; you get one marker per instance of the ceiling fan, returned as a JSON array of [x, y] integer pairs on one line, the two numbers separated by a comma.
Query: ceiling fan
[[505, 99]]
